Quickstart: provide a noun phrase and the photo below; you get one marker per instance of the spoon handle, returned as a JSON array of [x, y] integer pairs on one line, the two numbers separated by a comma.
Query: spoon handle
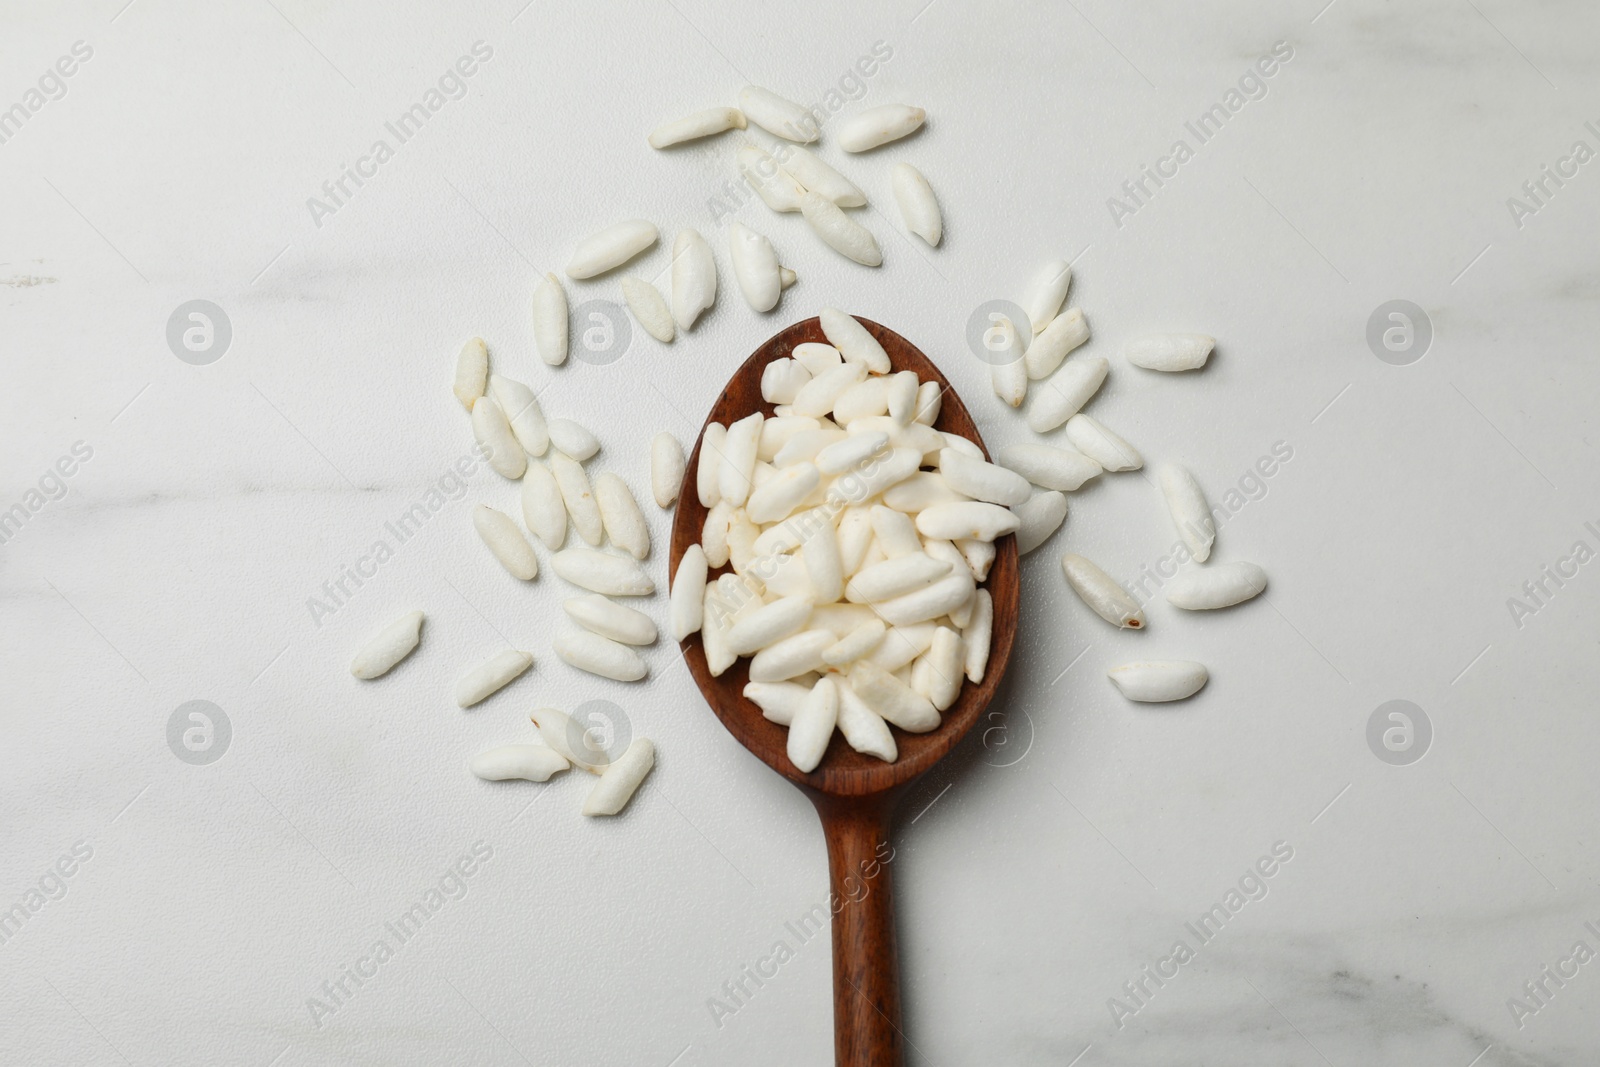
[[866, 969]]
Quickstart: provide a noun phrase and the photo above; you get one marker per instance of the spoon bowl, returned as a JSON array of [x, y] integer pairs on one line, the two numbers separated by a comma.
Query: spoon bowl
[[854, 794]]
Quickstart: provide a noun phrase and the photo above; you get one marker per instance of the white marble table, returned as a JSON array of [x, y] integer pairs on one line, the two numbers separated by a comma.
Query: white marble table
[[1041, 870]]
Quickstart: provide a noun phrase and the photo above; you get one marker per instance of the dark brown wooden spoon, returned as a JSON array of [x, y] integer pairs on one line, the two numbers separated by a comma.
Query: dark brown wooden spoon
[[855, 795]]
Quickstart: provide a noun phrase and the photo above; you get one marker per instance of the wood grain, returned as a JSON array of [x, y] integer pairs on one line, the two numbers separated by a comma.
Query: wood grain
[[854, 794]]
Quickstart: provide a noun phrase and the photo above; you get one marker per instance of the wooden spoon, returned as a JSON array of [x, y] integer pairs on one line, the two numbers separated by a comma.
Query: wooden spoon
[[855, 795]]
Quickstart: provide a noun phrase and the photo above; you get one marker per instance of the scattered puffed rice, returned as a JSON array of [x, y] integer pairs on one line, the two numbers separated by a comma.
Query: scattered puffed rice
[[493, 432], [876, 126], [522, 411], [611, 248], [1170, 351], [533, 763], [816, 176], [1041, 516], [776, 187], [1008, 366], [578, 496], [919, 208], [694, 278], [666, 468], [778, 116], [572, 439], [712, 120], [1101, 445], [488, 677], [1158, 681], [1049, 467], [388, 647], [472, 371], [564, 736], [590, 652], [550, 320], [607, 618], [650, 308], [1191, 515], [602, 572], [1055, 342], [620, 515], [543, 510], [1058, 398], [621, 779], [506, 542], [1104, 596], [1047, 293], [839, 231], [1220, 585], [755, 267]]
